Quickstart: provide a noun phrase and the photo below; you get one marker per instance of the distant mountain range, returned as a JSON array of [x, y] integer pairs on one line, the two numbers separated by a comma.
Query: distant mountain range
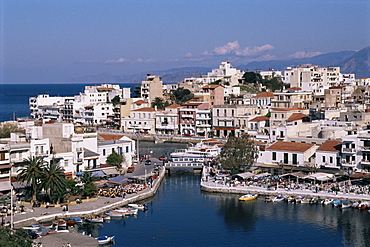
[[357, 63]]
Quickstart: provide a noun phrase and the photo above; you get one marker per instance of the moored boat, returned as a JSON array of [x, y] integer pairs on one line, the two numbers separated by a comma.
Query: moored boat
[[278, 199], [105, 239], [95, 220], [248, 197], [138, 206]]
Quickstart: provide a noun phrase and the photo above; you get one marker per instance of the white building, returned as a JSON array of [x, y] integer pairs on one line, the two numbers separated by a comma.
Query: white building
[[328, 155]]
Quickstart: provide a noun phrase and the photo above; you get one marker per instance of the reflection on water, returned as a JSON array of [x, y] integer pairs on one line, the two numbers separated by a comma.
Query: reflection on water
[[180, 214]]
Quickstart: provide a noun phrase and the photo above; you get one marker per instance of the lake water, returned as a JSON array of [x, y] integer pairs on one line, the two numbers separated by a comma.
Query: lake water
[[181, 215]]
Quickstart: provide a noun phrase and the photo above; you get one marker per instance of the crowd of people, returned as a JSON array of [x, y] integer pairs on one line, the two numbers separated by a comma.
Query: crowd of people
[[122, 190]]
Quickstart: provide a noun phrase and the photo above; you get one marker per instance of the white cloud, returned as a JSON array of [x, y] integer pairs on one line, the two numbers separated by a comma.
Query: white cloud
[[233, 48], [189, 54], [303, 54], [228, 48], [119, 60]]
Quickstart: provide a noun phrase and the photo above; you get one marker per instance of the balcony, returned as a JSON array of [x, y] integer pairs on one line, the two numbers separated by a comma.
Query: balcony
[[187, 116], [365, 162], [348, 150], [365, 148]]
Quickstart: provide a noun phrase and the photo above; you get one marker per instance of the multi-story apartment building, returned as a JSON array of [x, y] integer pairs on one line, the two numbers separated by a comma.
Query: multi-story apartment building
[[187, 117], [214, 94], [313, 78], [263, 99], [166, 122], [149, 89], [45, 107], [290, 98], [233, 119], [140, 120]]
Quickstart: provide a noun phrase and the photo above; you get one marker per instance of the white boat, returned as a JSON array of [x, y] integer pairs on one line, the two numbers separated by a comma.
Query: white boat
[[95, 220], [127, 211], [203, 149], [138, 206], [105, 239], [278, 199], [327, 201], [114, 214]]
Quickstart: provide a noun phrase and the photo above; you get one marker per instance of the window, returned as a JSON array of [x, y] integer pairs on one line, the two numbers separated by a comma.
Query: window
[[103, 152], [285, 158], [295, 159], [273, 155], [126, 149], [113, 150], [323, 158], [331, 160]]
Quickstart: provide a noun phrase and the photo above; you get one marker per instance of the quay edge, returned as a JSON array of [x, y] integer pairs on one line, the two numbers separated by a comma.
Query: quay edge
[[138, 197]]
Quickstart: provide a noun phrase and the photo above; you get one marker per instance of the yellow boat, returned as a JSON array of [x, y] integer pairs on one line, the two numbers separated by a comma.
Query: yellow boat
[[248, 197]]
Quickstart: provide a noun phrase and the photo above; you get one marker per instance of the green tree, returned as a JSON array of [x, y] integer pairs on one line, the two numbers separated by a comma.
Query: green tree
[[114, 159], [89, 189], [182, 95], [32, 173], [10, 238], [252, 77], [54, 181], [116, 100], [7, 128], [239, 153], [273, 84], [160, 103]]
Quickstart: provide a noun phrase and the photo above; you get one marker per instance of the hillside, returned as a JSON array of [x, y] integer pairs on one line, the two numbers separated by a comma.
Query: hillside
[[358, 63]]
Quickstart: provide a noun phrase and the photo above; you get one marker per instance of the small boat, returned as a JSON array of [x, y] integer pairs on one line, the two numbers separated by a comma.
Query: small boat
[[363, 205], [138, 206], [114, 214], [248, 197], [61, 228], [335, 203], [278, 199], [105, 217], [127, 211], [95, 220], [327, 201], [305, 200], [105, 239], [291, 199], [76, 219], [345, 204]]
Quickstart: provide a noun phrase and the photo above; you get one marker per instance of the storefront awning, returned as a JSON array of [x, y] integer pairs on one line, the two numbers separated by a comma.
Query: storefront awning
[[110, 171], [5, 185], [98, 173]]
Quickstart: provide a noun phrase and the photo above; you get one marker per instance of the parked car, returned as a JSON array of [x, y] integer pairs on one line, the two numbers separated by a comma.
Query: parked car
[[148, 162], [130, 169]]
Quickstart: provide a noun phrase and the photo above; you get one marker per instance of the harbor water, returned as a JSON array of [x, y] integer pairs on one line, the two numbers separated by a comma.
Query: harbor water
[[181, 215]]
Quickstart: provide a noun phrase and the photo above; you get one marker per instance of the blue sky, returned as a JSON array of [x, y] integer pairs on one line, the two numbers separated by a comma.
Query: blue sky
[[51, 41]]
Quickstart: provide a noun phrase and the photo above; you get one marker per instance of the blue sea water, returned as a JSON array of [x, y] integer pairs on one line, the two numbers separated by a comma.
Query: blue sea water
[[14, 97]]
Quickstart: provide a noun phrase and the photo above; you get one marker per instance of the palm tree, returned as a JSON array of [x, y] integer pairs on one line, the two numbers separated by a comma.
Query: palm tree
[[54, 181], [32, 173]]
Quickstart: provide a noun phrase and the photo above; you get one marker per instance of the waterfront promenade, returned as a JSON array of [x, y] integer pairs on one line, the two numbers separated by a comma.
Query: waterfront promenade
[[209, 184], [98, 206]]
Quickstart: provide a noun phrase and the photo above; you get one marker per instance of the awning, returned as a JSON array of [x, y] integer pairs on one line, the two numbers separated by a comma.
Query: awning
[[118, 179], [5, 166], [224, 128], [110, 171], [5, 185], [321, 176], [79, 173], [245, 175], [263, 174], [19, 185], [98, 173]]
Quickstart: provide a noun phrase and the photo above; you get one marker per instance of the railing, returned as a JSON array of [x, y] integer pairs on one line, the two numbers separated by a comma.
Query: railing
[[191, 164], [349, 150]]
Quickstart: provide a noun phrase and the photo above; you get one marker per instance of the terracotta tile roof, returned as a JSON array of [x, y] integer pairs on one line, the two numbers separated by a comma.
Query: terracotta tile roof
[[296, 116], [110, 137], [259, 118], [145, 109], [264, 95], [289, 109], [294, 88], [193, 103], [173, 106], [331, 146], [290, 146], [139, 102]]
